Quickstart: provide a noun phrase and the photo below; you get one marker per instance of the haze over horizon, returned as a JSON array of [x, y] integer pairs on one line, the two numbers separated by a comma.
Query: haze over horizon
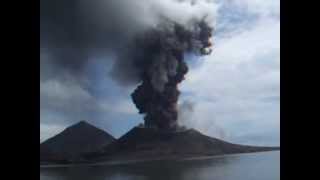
[[234, 92]]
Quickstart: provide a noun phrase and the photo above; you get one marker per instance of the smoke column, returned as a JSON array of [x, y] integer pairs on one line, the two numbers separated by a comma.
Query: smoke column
[[159, 57], [149, 39]]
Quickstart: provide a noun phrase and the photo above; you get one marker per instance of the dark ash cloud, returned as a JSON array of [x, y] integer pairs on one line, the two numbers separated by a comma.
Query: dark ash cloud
[[74, 32]]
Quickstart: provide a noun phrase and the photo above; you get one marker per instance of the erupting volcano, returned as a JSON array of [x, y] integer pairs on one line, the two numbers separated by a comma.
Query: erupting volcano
[[139, 44], [160, 61]]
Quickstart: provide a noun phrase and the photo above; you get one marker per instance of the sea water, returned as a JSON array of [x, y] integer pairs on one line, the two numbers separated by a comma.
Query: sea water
[[251, 166]]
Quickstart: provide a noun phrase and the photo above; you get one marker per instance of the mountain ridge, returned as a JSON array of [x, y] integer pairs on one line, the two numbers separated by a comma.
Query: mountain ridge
[[148, 143], [73, 141]]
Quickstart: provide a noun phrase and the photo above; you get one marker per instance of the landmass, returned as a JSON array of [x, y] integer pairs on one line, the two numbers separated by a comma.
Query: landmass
[[139, 144]]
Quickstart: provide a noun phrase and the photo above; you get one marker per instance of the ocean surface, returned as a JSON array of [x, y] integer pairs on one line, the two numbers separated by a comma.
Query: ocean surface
[[252, 166]]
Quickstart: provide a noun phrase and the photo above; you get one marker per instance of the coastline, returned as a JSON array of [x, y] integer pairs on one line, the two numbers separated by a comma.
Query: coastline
[[127, 162]]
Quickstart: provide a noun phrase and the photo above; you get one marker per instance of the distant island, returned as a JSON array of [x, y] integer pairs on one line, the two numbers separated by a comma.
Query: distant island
[[85, 143]]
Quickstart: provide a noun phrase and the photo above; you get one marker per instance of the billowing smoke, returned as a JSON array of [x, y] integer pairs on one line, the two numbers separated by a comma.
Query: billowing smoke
[[157, 56], [191, 115], [149, 39], [186, 112]]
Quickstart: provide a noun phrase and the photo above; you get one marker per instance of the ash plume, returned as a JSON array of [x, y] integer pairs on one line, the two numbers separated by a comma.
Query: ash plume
[[149, 39], [158, 58]]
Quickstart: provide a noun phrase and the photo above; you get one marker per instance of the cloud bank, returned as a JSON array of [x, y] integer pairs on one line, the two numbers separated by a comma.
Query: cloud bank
[[241, 94]]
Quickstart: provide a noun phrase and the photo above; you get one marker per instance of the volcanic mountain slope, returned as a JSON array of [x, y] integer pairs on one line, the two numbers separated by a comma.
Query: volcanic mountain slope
[[73, 141], [148, 143]]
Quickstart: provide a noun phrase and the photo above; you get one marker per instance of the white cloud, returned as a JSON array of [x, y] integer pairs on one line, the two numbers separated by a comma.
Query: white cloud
[[260, 7], [237, 88], [253, 55]]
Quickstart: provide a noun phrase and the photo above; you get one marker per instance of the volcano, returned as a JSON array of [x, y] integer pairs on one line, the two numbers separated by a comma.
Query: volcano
[[72, 142], [150, 144]]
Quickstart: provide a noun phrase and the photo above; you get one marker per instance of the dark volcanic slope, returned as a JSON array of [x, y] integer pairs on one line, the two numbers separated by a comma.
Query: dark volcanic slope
[[147, 143], [74, 140]]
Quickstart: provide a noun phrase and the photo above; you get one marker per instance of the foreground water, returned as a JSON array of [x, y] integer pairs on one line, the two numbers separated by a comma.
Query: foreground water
[[254, 166]]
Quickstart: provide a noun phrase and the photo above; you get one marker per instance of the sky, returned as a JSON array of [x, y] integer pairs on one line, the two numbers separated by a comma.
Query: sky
[[232, 94]]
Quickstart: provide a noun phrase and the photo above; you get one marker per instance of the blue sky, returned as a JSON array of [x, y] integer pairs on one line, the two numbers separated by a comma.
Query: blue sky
[[234, 92]]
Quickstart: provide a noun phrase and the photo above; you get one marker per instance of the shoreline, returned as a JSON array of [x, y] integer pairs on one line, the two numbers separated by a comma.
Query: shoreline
[[127, 162]]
